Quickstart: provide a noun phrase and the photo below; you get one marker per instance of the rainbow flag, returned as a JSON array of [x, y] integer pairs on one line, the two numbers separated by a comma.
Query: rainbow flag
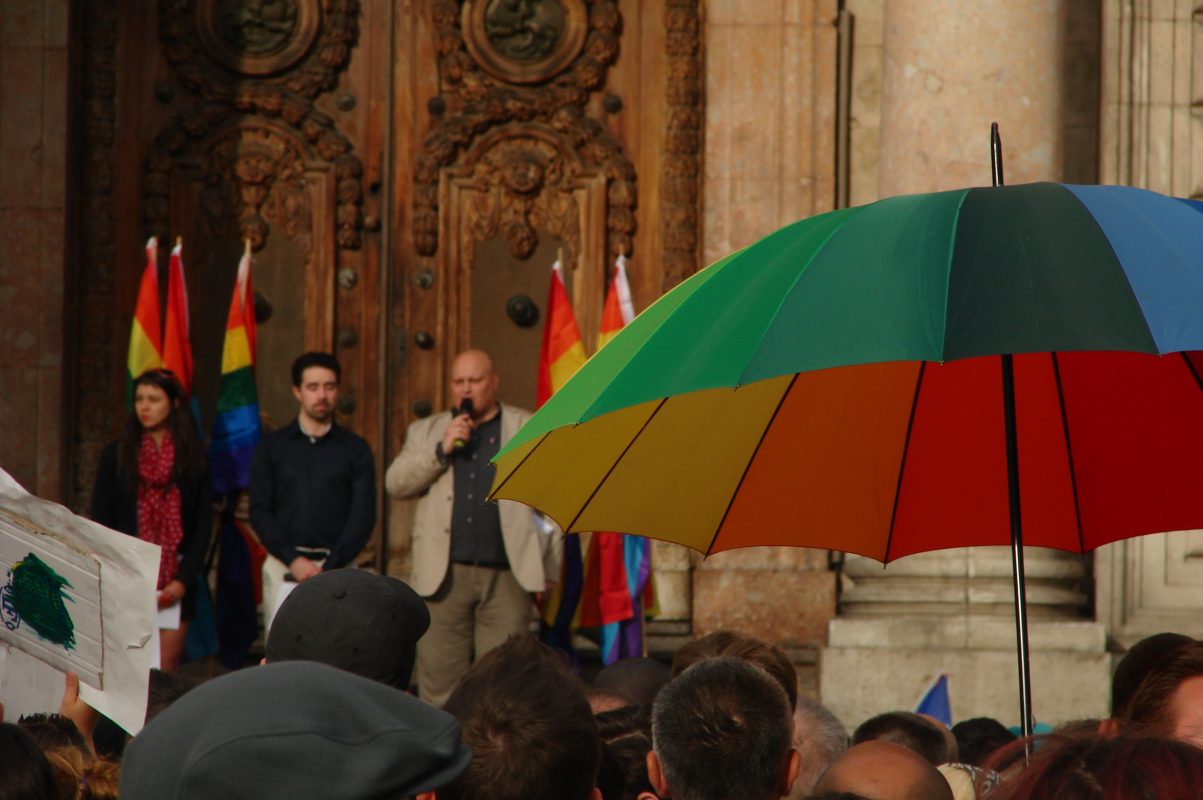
[[177, 344], [235, 434], [617, 585], [562, 354], [236, 429], [145, 336]]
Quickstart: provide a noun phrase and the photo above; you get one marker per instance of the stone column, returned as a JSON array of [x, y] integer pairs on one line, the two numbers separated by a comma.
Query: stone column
[[951, 68]]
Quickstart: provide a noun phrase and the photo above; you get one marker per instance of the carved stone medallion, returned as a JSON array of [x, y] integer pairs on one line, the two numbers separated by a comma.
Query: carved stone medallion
[[524, 41], [257, 37]]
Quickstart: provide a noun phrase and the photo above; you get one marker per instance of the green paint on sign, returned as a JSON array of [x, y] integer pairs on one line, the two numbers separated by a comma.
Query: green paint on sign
[[38, 596]]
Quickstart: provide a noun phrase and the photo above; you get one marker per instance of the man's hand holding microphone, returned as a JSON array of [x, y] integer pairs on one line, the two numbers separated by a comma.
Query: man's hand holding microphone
[[459, 432]]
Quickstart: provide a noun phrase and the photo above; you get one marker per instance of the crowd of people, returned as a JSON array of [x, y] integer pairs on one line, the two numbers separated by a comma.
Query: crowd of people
[[328, 715], [337, 709]]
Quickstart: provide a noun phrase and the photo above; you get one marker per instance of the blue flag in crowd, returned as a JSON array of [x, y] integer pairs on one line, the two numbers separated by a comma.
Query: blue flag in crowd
[[935, 702]]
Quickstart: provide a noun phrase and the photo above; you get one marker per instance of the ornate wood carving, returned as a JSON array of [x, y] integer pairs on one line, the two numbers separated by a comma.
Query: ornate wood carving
[[478, 103], [681, 187], [521, 180], [255, 176], [215, 45], [514, 181], [524, 42], [95, 287]]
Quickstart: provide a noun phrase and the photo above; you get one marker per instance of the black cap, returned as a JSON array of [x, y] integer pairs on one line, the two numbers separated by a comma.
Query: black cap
[[297, 729], [1141, 660], [351, 619]]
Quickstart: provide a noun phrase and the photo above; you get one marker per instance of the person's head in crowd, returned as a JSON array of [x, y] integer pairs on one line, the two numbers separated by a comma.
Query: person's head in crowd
[[164, 689], [525, 716], [602, 700], [770, 658], [881, 770], [636, 678], [109, 740], [351, 619], [65, 747], [626, 735], [25, 774], [625, 721], [293, 729], [627, 757], [81, 777], [721, 730], [977, 738], [913, 731], [1158, 689], [52, 731], [820, 738], [1096, 767]]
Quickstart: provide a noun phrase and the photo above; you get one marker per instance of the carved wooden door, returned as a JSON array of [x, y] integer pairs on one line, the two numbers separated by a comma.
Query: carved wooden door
[[523, 131], [221, 121]]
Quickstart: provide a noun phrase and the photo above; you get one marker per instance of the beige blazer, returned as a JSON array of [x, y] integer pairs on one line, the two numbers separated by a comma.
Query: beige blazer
[[416, 472]]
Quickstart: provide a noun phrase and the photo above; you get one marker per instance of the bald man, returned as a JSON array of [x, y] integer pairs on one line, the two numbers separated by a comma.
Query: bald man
[[880, 770], [478, 565]]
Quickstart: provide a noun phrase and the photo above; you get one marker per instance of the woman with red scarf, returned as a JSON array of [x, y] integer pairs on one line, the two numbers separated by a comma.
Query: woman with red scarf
[[153, 483]]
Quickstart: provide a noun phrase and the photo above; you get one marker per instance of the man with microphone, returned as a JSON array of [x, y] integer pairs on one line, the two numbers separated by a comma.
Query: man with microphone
[[478, 565]]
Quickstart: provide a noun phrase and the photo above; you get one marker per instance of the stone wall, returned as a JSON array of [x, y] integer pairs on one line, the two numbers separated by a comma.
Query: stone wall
[[35, 241]]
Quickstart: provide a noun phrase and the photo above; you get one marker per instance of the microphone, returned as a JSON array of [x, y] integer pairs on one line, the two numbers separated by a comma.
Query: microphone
[[465, 407]]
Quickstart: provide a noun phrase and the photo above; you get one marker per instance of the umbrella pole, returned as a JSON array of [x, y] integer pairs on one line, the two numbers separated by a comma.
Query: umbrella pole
[[1021, 604], [1021, 601]]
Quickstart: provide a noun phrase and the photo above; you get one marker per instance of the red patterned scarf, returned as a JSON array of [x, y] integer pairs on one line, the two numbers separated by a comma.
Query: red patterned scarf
[[159, 504]]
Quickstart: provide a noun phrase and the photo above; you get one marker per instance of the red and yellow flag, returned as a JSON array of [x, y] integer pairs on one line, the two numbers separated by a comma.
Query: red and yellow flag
[[619, 309], [145, 337], [177, 346], [563, 352]]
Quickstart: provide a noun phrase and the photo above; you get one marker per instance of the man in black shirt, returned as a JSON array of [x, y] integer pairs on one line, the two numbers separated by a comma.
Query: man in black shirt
[[312, 485]]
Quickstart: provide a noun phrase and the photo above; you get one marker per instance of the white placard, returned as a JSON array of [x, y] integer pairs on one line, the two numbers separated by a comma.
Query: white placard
[[122, 586], [169, 618]]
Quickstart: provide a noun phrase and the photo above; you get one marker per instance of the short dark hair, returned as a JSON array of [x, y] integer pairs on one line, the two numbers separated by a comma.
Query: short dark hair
[[769, 657], [909, 730], [314, 359], [1149, 710], [977, 738], [27, 773], [525, 717], [637, 678], [722, 730]]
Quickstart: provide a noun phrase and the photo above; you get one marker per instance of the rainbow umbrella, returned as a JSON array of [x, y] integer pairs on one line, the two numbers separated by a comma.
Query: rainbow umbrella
[[986, 366]]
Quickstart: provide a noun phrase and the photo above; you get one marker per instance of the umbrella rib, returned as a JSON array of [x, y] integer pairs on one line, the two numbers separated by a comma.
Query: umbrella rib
[[1069, 451], [906, 446], [614, 466], [1194, 372], [506, 479], [752, 457]]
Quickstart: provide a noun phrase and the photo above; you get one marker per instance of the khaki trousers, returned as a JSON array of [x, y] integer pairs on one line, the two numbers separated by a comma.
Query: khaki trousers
[[474, 610]]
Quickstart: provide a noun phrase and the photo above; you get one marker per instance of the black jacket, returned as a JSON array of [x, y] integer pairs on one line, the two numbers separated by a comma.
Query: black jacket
[[115, 506]]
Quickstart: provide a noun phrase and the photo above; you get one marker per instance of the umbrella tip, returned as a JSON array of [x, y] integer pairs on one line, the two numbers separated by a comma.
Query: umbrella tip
[[996, 159]]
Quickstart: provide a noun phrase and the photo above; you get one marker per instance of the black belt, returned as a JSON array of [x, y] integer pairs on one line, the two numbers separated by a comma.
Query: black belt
[[487, 564]]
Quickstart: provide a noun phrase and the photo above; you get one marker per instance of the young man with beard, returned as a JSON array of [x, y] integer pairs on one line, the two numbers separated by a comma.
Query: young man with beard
[[312, 485]]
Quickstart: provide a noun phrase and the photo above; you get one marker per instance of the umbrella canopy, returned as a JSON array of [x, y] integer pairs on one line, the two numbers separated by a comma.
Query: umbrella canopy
[[833, 384]]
